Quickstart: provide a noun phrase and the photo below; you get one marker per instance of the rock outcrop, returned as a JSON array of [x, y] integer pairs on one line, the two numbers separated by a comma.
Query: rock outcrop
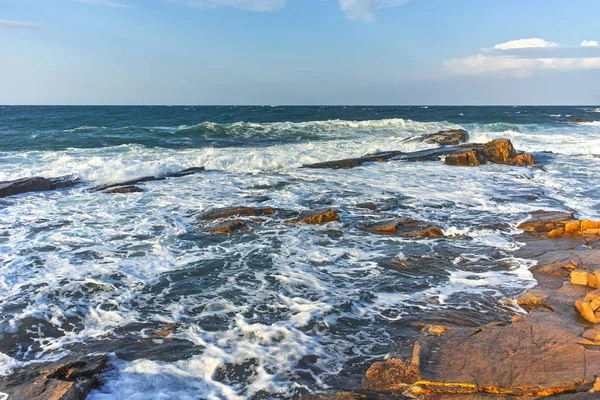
[[406, 227], [498, 151], [124, 189], [35, 184], [185, 172], [553, 224], [315, 217], [228, 227], [227, 212], [450, 137], [68, 379], [551, 350]]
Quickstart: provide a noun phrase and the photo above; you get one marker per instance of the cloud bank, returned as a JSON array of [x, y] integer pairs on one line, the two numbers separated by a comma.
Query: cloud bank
[[590, 43], [6, 23], [522, 59], [105, 3]]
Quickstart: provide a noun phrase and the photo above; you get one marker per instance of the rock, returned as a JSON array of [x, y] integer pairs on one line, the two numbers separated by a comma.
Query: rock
[[228, 227], [69, 379], [131, 182], [589, 305], [555, 224], [368, 205], [336, 396], [124, 189], [35, 184], [450, 137], [315, 217], [498, 151], [186, 172], [434, 329], [578, 121], [354, 162], [238, 212], [533, 356], [470, 158], [584, 277], [534, 298], [406, 227]]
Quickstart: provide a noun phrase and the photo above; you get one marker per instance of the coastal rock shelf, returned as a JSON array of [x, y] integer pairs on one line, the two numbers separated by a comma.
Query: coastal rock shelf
[[551, 350], [35, 184], [498, 151]]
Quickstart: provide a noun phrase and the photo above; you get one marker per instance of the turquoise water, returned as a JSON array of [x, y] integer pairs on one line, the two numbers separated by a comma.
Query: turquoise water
[[280, 310]]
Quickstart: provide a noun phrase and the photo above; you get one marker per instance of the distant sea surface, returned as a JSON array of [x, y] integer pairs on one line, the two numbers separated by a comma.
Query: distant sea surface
[[280, 310]]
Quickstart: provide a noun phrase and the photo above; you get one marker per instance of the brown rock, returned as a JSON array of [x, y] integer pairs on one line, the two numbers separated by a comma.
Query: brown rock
[[125, 189], [368, 205], [228, 227], [315, 217], [35, 184], [556, 224], [406, 227], [589, 305], [522, 160], [450, 137], [355, 162], [238, 212], [578, 120], [500, 151], [67, 379], [534, 298], [470, 158], [336, 396], [392, 374]]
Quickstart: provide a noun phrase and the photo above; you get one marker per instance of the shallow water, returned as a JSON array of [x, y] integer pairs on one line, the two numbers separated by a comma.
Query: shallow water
[[280, 310]]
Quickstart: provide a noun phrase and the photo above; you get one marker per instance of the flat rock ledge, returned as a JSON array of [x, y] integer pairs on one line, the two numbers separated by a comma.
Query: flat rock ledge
[[498, 151], [185, 172], [227, 212], [552, 350], [405, 227], [35, 184], [315, 217], [71, 378]]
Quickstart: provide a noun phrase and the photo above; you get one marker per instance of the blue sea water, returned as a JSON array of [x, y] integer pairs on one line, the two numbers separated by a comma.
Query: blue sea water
[[279, 310]]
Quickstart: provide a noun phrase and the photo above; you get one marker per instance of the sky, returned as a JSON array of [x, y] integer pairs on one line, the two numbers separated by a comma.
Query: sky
[[279, 52]]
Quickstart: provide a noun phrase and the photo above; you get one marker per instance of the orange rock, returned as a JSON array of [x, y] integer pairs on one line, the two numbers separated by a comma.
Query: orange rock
[[583, 277], [406, 227], [228, 227], [315, 217], [587, 224], [470, 158], [573, 227], [522, 160]]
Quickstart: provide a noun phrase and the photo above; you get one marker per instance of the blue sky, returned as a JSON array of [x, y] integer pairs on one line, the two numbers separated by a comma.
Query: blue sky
[[299, 52]]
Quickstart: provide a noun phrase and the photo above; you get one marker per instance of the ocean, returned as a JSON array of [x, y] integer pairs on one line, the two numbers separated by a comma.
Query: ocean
[[278, 310]]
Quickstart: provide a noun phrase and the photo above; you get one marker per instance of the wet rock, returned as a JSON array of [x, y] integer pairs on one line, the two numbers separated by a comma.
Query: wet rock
[[498, 151], [228, 227], [35, 184], [124, 189], [186, 172], [315, 217], [355, 162], [237, 212], [470, 158], [132, 182], [578, 121], [406, 227], [368, 206], [67, 379], [555, 224], [450, 137], [336, 396]]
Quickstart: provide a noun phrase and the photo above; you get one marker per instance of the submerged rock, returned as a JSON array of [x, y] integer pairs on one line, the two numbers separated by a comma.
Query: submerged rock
[[68, 379], [238, 212], [228, 227], [35, 184], [125, 189], [368, 206], [315, 217], [185, 172], [355, 162], [406, 227]]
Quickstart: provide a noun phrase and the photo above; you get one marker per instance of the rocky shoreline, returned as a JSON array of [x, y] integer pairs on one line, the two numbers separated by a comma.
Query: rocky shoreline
[[552, 350]]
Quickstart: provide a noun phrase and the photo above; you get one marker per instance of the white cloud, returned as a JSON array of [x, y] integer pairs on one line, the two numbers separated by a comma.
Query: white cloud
[[5, 23], [519, 66], [248, 5], [590, 43], [364, 10], [106, 3], [525, 44]]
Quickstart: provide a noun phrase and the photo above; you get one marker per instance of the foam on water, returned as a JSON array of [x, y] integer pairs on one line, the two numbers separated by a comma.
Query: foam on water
[[282, 310]]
